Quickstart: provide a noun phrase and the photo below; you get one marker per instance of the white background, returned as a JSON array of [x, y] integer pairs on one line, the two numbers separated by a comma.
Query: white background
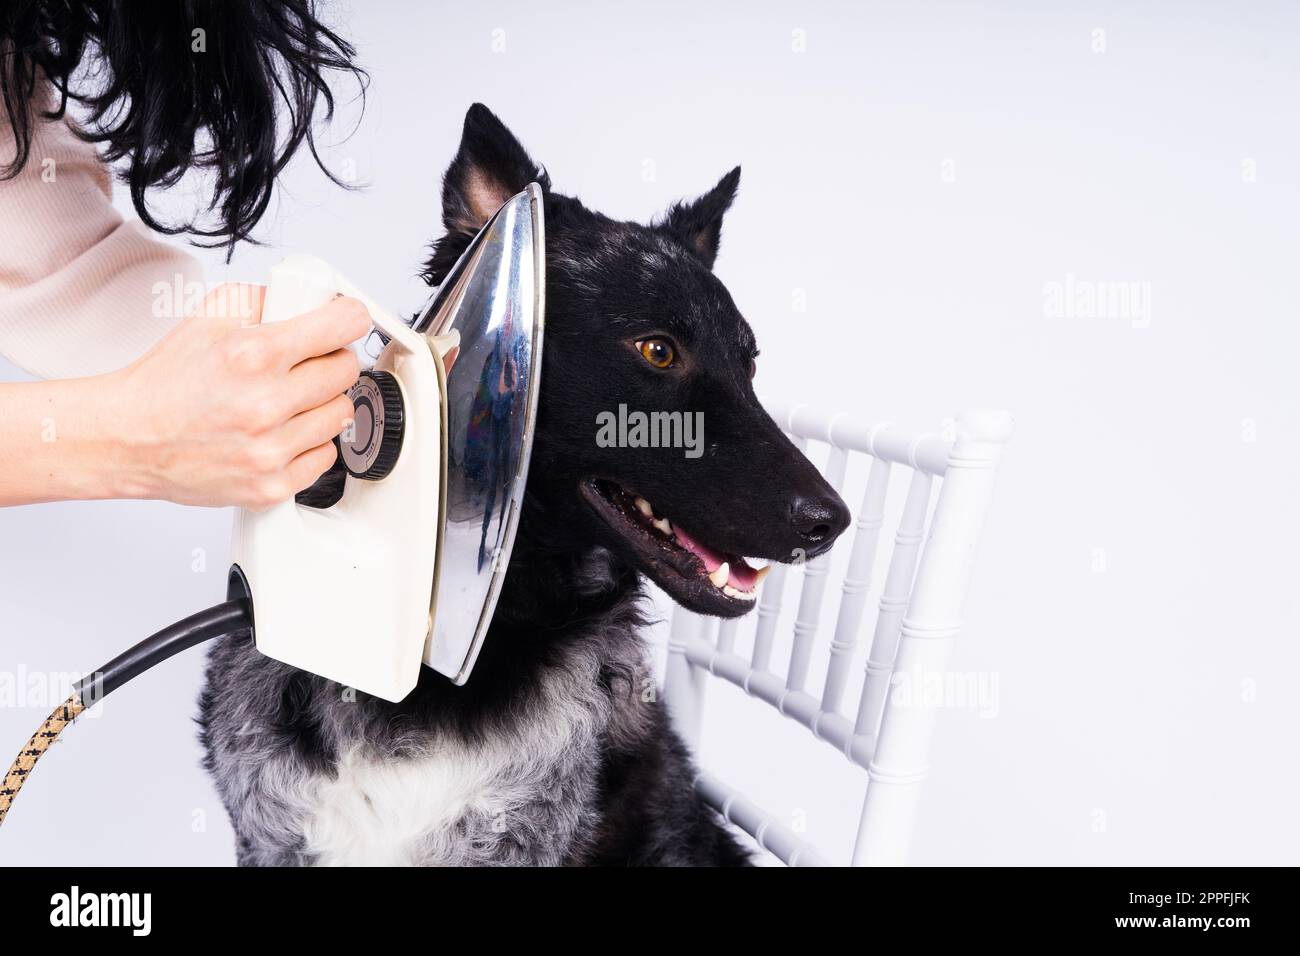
[[916, 178]]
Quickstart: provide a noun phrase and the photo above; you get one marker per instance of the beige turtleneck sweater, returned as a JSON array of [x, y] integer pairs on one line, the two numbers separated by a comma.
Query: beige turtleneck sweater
[[79, 287]]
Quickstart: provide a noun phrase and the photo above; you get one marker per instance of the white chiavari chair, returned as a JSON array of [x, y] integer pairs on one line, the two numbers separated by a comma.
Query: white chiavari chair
[[918, 616]]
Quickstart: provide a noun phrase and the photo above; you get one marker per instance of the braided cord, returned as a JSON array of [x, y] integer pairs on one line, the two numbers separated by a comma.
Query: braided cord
[[35, 748]]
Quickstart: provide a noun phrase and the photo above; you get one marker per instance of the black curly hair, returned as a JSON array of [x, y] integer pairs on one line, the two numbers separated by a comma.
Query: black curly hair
[[230, 87]]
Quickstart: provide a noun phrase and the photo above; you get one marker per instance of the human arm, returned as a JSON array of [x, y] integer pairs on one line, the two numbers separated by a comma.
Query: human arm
[[222, 411]]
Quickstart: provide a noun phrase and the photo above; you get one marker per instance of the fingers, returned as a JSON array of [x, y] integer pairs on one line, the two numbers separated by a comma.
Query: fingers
[[317, 380], [295, 455], [310, 465], [319, 332], [315, 427]]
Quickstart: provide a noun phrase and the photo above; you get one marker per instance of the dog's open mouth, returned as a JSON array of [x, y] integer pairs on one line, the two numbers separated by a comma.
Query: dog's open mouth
[[696, 575]]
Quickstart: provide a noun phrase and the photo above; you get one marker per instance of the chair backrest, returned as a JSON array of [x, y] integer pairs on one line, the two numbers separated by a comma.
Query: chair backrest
[[919, 615]]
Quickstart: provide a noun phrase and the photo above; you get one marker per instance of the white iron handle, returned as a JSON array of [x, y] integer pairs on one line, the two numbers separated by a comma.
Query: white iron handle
[[300, 283]]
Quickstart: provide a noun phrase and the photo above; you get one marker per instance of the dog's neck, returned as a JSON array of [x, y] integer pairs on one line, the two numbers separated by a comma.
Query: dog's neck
[[551, 581], [562, 608]]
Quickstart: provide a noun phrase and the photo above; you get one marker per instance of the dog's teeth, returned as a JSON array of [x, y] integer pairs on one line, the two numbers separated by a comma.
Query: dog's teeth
[[719, 577], [643, 506], [761, 573], [743, 595], [663, 525]]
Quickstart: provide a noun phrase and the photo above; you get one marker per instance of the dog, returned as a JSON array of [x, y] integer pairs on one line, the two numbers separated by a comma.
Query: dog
[[557, 751]]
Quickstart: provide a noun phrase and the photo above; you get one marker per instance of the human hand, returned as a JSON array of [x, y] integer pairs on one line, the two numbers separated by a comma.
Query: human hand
[[225, 411]]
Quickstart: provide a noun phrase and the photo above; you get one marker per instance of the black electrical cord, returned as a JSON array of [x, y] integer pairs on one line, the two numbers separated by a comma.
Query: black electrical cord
[[229, 617], [226, 618]]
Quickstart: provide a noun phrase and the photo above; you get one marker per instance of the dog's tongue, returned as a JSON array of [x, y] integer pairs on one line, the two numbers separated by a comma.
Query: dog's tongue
[[741, 576]]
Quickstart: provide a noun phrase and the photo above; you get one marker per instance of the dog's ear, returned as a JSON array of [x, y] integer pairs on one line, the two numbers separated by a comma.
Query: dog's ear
[[489, 168], [699, 223]]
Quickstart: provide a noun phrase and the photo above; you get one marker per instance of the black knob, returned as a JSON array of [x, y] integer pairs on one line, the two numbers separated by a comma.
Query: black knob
[[370, 448], [328, 488]]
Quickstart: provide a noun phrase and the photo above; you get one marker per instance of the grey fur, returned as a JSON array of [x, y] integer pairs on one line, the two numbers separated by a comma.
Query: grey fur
[[556, 737]]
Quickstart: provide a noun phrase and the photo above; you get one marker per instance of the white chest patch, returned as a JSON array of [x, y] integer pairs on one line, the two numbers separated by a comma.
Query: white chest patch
[[405, 812], [386, 813]]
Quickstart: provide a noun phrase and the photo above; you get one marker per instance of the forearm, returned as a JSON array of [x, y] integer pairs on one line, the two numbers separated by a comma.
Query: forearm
[[66, 439]]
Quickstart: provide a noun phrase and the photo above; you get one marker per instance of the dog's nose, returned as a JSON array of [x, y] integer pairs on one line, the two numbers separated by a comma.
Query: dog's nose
[[818, 520]]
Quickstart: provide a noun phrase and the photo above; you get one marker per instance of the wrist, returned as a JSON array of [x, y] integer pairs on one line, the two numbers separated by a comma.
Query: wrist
[[72, 439], [124, 439]]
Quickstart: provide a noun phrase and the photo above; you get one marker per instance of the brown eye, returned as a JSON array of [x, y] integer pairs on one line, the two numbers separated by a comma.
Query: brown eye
[[658, 352]]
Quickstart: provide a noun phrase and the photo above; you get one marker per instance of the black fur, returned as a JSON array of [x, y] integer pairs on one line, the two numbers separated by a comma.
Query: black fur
[[570, 604]]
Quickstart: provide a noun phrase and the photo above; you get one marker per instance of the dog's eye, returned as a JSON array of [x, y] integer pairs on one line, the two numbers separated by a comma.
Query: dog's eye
[[753, 368], [658, 352]]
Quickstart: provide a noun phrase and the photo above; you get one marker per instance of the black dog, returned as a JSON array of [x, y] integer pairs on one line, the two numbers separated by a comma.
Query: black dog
[[556, 751]]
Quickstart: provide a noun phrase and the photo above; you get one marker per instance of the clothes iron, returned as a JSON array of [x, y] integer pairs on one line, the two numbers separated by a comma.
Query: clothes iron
[[405, 567]]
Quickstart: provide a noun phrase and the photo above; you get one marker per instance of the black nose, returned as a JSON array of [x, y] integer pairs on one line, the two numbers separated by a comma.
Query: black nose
[[819, 520]]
